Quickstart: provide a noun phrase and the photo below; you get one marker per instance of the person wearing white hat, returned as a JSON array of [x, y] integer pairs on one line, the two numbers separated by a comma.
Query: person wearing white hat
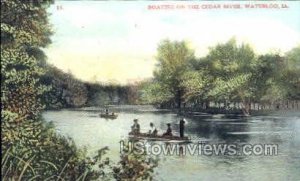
[[152, 130]]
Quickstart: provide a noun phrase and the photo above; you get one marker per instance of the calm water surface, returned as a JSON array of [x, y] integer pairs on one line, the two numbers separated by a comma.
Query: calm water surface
[[282, 128]]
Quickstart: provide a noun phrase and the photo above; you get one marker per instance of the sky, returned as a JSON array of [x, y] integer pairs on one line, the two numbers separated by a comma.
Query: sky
[[116, 42]]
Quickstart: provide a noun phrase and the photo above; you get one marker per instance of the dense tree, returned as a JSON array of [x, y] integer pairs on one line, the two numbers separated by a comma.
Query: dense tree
[[231, 73], [104, 94], [195, 85], [156, 93], [31, 148], [278, 77], [293, 72], [270, 85], [24, 29], [173, 61], [66, 90], [293, 58]]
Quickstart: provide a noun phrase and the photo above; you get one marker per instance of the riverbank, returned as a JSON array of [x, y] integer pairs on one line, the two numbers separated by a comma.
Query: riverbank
[[186, 112], [237, 110]]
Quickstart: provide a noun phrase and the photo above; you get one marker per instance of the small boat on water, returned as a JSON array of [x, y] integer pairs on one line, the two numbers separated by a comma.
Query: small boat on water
[[108, 116], [173, 139]]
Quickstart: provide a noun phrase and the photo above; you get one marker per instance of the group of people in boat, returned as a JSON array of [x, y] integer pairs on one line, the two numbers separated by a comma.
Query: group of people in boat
[[135, 129], [107, 112]]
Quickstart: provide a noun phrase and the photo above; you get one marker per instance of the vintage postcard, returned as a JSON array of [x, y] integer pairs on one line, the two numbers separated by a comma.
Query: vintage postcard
[[150, 90]]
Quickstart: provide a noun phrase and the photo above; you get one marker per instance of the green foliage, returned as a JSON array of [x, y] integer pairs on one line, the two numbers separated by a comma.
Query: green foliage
[[293, 73], [230, 72], [135, 166], [224, 90], [174, 59], [293, 58], [278, 80], [66, 91], [194, 84], [23, 27], [154, 92], [31, 148], [100, 94]]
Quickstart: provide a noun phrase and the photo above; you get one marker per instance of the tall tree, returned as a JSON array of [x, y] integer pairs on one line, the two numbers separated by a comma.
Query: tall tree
[[293, 73], [233, 69], [24, 30], [279, 77], [173, 61]]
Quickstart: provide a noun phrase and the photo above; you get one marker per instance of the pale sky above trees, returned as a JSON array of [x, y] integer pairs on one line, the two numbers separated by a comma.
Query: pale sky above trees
[[117, 41]]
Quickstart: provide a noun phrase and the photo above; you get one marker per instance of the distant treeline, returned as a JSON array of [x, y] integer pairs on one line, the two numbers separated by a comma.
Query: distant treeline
[[231, 75], [66, 91]]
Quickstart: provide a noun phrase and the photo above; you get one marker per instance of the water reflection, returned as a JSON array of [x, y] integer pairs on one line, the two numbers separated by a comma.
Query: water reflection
[[88, 129], [218, 129]]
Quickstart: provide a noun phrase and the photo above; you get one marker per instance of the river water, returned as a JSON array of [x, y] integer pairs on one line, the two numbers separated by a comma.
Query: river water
[[88, 130]]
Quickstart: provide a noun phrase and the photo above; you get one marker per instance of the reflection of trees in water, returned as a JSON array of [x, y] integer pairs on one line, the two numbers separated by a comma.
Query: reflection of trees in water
[[220, 130], [265, 129]]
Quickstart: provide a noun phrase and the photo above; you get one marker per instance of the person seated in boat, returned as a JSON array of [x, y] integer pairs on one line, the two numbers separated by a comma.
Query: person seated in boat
[[135, 128], [112, 113], [169, 131], [153, 130]]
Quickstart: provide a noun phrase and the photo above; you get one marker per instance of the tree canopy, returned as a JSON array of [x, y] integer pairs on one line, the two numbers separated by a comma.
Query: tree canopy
[[230, 72], [173, 61]]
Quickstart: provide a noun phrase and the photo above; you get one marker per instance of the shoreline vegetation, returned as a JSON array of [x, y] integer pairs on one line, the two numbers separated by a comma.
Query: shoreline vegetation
[[31, 148], [230, 78]]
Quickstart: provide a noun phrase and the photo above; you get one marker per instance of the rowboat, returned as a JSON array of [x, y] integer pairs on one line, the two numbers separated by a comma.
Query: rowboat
[[170, 139], [109, 116]]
